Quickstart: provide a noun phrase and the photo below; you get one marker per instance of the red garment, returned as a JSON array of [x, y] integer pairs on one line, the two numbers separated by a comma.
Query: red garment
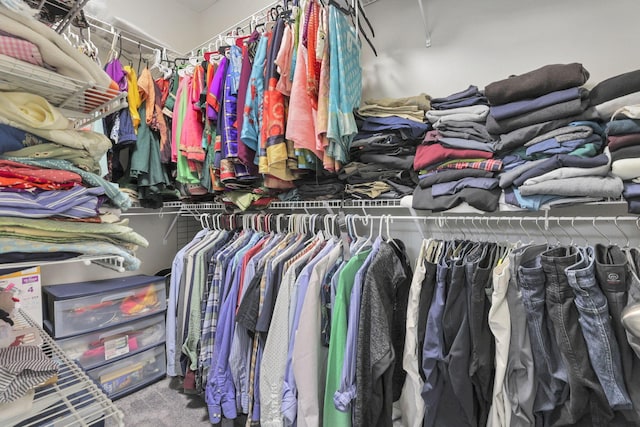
[[27, 176], [616, 142], [429, 155]]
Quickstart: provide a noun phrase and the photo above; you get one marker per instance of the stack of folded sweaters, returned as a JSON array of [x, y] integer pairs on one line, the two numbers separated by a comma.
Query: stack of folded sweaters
[[455, 160], [549, 138], [615, 100]]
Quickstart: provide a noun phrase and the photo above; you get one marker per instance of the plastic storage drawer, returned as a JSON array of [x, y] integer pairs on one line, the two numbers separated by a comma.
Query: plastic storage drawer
[[96, 348], [127, 375], [78, 308]]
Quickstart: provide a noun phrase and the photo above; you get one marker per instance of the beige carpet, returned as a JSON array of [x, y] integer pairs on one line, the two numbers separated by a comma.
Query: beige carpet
[[163, 405]]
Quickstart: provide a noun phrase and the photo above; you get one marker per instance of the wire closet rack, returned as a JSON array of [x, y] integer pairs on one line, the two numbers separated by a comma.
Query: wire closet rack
[[73, 400]]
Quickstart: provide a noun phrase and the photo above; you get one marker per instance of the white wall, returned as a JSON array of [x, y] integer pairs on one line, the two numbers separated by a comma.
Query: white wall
[[477, 42], [166, 21]]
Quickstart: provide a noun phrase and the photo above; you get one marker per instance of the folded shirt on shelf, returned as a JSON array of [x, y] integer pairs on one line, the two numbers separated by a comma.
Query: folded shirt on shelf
[[589, 186], [622, 126], [615, 87], [453, 175], [19, 48], [629, 152], [626, 169], [407, 129], [565, 133], [577, 109], [466, 130], [453, 187], [552, 146], [516, 108], [484, 200], [518, 137], [474, 113], [556, 162], [608, 109], [77, 202], [429, 155], [535, 83], [465, 98]]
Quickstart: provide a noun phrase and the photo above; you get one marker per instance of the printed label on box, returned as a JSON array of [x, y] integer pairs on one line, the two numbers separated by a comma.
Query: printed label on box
[[116, 347], [26, 286]]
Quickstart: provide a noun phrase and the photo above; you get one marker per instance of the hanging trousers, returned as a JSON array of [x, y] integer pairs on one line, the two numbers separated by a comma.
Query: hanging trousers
[[586, 404], [479, 266], [551, 373]]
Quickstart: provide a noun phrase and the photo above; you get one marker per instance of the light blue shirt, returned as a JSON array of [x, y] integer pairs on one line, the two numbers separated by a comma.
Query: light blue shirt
[[289, 390], [347, 392], [174, 289]]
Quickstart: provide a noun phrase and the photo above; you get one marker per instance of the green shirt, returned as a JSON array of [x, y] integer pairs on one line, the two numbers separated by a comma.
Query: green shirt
[[338, 341]]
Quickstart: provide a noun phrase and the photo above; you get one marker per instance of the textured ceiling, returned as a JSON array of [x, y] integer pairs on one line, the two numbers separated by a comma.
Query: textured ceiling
[[197, 5]]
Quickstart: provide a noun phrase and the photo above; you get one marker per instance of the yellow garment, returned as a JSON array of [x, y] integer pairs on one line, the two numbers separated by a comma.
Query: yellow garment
[[133, 95], [32, 110], [147, 93]]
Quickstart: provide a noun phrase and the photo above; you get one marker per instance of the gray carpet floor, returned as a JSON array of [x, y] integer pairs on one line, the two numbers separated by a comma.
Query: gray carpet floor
[[163, 404]]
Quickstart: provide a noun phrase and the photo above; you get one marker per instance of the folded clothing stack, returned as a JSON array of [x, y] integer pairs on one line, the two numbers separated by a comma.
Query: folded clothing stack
[[614, 93], [455, 160], [549, 139], [381, 158], [623, 141]]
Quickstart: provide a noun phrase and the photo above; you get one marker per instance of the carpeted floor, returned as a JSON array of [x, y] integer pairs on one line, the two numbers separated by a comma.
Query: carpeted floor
[[163, 404]]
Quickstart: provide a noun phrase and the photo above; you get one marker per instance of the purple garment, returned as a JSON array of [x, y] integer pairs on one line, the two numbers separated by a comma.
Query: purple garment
[[214, 94], [343, 397], [220, 392], [116, 72], [453, 187], [229, 132], [245, 154], [504, 111], [77, 202], [289, 389]]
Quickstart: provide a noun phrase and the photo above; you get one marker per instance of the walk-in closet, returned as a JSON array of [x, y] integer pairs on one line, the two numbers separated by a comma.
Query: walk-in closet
[[319, 213]]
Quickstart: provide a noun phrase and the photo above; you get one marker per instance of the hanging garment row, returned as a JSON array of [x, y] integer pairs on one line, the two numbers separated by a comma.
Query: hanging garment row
[[300, 327], [237, 298]]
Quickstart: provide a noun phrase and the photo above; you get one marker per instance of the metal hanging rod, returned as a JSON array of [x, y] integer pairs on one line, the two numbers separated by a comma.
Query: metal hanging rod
[[242, 24]]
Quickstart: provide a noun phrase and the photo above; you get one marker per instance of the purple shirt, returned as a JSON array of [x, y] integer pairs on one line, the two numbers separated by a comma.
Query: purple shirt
[[289, 390], [77, 202], [347, 392], [220, 392]]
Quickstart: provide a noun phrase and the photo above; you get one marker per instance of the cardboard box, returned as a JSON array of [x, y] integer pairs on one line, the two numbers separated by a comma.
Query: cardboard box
[[27, 287]]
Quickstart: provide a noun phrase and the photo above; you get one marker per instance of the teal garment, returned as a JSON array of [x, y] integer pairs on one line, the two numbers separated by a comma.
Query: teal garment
[[252, 121], [345, 85], [146, 172], [118, 198]]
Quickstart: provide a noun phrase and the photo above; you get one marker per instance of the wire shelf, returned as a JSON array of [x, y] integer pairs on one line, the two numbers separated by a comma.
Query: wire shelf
[[81, 102], [73, 400], [112, 262]]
